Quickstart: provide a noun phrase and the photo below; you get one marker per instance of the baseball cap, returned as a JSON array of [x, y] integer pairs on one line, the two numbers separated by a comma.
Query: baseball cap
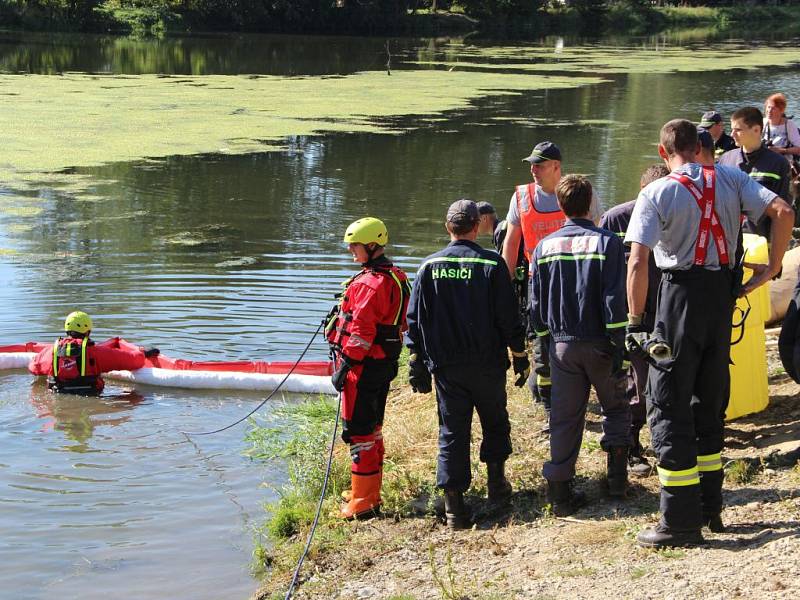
[[463, 213], [486, 208], [706, 139], [710, 118], [543, 151]]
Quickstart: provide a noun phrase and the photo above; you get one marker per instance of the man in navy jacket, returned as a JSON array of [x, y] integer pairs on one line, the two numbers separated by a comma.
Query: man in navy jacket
[[578, 306], [462, 318]]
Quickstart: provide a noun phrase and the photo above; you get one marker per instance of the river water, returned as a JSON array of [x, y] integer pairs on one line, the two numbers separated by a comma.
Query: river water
[[220, 256]]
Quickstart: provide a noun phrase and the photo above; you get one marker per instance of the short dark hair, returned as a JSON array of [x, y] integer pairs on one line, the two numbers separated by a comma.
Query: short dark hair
[[653, 172], [574, 193], [679, 136], [750, 115]]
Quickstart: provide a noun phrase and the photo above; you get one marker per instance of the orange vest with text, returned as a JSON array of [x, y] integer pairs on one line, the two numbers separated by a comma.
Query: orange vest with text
[[535, 225]]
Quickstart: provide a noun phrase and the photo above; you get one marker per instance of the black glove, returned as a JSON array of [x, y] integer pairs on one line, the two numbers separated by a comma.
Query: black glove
[[151, 352], [522, 367], [339, 376], [636, 334], [418, 375]]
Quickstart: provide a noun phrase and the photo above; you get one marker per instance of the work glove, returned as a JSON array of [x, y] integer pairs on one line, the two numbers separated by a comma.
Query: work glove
[[340, 375], [636, 334], [522, 367], [151, 352], [418, 375]]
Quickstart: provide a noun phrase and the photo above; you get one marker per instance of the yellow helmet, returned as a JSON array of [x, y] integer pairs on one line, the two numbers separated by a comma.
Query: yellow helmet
[[78, 321], [367, 231]]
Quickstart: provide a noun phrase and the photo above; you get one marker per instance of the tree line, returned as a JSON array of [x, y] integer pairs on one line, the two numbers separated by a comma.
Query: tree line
[[305, 16]]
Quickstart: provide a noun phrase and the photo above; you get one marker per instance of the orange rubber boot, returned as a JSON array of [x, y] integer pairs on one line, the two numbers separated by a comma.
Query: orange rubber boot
[[365, 499]]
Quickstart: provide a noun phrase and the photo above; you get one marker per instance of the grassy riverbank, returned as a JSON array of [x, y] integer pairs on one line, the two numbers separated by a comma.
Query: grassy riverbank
[[526, 552]]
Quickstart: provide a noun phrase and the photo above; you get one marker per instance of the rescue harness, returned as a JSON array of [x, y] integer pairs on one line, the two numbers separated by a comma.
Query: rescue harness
[[387, 335], [70, 366]]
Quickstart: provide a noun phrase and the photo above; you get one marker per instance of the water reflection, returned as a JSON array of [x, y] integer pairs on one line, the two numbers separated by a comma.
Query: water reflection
[[77, 417]]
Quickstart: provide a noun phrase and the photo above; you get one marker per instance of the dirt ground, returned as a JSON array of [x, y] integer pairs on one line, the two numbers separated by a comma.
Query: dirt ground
[[526, 553]]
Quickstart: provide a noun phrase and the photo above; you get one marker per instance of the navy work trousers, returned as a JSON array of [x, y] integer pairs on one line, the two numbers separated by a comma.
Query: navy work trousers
[[686, 406], [637, 382], [575, 367], [459, 390]]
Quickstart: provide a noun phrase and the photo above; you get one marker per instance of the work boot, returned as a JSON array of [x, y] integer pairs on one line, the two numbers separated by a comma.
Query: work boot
[[498, 486], [714, 523], [617, 468], [563, 499], [365, 497], [455, 511], [662, 537], [639, 466]]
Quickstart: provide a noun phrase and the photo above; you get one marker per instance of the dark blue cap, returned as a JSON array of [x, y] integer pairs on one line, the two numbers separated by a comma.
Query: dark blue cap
[[543, 151]]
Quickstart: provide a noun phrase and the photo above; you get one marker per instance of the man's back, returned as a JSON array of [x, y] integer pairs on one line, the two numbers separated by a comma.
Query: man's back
[[463, 307], [578, 285]]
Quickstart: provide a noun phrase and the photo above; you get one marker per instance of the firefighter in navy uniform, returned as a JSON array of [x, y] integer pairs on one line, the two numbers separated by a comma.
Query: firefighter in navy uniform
[[578, 304], [768, 168], [74, 364], [616, 220], [462, 318], [690, 220], [365, 333]]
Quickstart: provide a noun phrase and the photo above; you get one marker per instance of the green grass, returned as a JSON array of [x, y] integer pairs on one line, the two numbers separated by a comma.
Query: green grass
[[639, 572], [740, 472], [671, 553]]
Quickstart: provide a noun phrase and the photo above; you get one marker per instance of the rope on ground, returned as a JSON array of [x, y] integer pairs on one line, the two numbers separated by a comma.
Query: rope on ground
[[319, 503], [268, 398]]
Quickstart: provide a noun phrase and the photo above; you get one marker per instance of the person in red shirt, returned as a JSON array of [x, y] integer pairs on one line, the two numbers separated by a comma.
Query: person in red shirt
[[365, 334], [74, 364]]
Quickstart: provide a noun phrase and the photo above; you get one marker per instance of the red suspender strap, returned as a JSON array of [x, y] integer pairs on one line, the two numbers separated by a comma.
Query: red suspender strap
[[709, 222]]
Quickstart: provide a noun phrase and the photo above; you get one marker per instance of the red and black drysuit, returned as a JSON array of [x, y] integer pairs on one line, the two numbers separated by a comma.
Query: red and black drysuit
[[366, 332], [73, 365]]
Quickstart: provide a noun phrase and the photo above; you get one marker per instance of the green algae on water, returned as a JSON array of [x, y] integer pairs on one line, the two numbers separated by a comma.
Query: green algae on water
[[604, 59], [76, 120]]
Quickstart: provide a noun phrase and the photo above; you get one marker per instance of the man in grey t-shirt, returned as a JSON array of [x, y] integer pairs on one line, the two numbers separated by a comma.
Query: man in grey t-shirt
[[690, 220]]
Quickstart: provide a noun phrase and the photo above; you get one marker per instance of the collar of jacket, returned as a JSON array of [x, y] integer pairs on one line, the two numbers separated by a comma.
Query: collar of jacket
[[580, 222], [469, 244], [380, 261]]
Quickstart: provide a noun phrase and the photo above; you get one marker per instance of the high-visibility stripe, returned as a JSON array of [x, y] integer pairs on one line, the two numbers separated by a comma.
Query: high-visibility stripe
[[616, 325], [542, 333], [679, 478], [765, 174], [399, 308], [55, 357], [359, 341], [709, 462], [456, 259], [621, 233], [83, 356], [541, 380], [570, 257]]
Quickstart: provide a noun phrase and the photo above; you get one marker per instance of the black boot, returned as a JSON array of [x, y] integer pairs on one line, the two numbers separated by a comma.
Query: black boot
[[455, 511], [617, 469], [638, 465], [662, 537], [498, 486], [714, 523], [564, 500]]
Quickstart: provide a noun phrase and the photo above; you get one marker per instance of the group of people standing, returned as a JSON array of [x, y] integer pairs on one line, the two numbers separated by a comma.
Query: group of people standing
[[639, 307]]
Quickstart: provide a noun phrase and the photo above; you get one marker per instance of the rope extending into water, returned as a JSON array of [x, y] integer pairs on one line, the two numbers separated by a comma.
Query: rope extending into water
[[272, 393]]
